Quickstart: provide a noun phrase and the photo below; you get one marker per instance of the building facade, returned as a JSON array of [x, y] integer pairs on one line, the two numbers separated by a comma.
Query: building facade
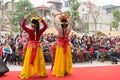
[[97, 18]]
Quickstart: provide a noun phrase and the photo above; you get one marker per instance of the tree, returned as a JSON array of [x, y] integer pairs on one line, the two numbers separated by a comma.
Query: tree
[[22, 7], [2, 13], [114, 25], [116, 15], [10, 14], [12, 17], [95, 13], [74, 14]]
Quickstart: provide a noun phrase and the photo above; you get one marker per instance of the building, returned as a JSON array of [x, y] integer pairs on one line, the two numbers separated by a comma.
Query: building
[[97, 18], [55, 3], [43, 10], [92, 14]]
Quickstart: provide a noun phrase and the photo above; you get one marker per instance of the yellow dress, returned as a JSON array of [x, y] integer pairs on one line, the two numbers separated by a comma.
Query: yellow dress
[[63, 60], [38, 68]]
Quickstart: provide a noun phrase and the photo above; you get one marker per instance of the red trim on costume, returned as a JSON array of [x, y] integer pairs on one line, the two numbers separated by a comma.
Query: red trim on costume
[[64, 43], [33, 55], [34, 45], [31, 32]]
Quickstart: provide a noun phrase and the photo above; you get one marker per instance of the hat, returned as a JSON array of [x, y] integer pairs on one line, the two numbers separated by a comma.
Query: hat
[[35, 18], [63, 17]]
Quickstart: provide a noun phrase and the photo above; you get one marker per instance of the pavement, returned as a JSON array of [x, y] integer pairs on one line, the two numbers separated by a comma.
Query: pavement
[[75, 65]]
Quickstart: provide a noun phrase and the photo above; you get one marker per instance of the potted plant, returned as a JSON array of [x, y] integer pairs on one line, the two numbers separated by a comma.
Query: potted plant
[[103, 53]]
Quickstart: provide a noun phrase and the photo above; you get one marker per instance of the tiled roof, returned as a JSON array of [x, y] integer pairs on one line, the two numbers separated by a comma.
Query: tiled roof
[[90, 4], [43, 7], [108, 6]]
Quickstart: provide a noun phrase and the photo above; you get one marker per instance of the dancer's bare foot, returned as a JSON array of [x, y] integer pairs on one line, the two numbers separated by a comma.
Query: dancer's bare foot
[[43, 76], [65, 73]]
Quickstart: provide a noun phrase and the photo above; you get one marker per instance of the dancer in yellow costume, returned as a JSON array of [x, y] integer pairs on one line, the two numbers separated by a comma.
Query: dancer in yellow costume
[[63, 57], [34, 64]]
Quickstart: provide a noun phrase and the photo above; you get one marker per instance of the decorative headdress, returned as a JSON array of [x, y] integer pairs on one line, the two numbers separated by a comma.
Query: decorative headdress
[[63, 19], [34, 19]]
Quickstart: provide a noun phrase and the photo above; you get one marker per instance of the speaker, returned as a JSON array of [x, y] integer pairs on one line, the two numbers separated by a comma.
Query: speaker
[[3, 68]]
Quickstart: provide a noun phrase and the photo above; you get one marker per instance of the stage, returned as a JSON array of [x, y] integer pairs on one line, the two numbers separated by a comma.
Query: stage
[[81, 73]]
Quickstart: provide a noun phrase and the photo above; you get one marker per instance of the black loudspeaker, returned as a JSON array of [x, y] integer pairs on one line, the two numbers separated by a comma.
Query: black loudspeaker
[[3, 68]]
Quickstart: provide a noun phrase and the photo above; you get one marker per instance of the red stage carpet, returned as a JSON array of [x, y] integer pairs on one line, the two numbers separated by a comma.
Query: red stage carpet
[[82, 73]]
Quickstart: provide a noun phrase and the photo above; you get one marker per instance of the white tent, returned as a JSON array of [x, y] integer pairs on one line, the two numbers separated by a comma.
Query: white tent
[[50, 30], [106, 33], [54, 31]]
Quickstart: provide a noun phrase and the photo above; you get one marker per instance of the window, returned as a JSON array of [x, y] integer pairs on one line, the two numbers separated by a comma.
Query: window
[[83, 9], [66, 4]]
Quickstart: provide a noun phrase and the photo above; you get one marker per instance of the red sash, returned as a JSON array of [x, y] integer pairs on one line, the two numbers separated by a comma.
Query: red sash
[[64, 43], [34, 45]]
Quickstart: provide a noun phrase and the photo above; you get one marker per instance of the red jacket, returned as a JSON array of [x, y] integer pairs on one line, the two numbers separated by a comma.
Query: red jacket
[[91, 49], [0, 51]]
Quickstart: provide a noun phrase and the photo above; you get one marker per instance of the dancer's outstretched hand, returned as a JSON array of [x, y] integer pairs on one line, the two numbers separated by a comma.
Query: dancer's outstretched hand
[[25, 17], [40, 18]]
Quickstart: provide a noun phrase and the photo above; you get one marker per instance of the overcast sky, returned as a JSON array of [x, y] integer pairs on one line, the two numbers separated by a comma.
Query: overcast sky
[[97, 2]]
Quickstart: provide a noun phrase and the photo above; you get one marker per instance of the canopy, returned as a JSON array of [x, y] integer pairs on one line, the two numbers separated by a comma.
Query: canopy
[[50, 30], [43, 7], [54, 31], [106, 33]]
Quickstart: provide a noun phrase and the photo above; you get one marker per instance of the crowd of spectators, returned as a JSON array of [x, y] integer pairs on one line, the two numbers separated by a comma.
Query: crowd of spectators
[[84, 48]]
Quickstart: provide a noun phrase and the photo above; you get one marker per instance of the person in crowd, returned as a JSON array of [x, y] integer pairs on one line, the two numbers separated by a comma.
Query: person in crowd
[[96, 50], [2, 40], [19, 53], [1, 51], [114, 56], [89, 42], [46, 50], [34, 64], [91, 49], [76, 43], [63, 58], [7, 51]]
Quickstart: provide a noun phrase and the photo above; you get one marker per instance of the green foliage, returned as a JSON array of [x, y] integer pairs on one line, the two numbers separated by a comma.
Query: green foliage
[[68, 12], [16, 29], [22, 8], [114, 24], [20, 56], [103, 54], [74, 5], [116, 15]]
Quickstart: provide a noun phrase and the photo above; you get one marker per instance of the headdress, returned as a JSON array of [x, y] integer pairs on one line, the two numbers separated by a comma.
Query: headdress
[[63, 20], [34, 18], [63, 17]]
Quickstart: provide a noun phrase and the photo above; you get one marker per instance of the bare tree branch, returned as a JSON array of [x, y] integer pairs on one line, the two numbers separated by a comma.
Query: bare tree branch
[[95, 14]]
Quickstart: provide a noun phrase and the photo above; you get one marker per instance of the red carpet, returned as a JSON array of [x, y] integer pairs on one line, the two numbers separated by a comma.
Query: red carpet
[[83, 73]]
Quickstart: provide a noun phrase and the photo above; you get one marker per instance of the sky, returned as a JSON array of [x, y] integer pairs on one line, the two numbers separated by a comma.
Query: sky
[[97, 2]]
